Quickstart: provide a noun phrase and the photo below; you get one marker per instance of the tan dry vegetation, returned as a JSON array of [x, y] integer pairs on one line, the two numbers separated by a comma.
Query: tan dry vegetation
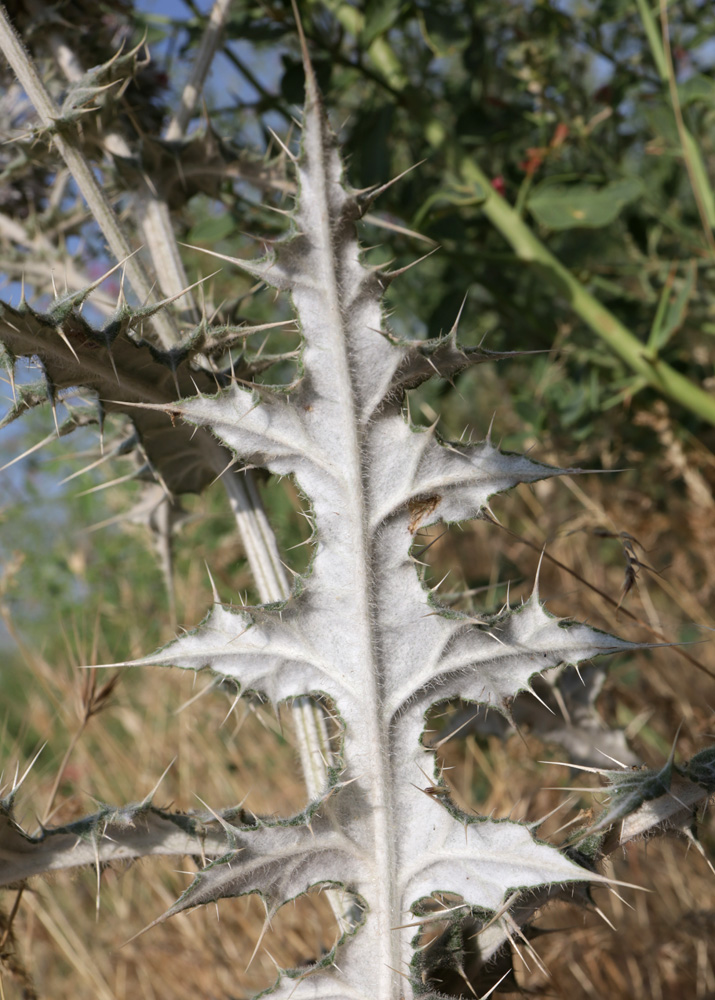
[[71, 949], [663, 944]]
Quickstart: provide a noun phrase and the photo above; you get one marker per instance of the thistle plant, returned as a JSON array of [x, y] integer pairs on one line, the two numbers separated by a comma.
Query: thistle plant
[[360, 634]]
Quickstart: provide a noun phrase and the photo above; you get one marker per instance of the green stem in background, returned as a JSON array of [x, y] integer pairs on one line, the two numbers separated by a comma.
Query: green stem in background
[[529, 248], [391, 73], [697, 175], [659, 42], [653, 35]]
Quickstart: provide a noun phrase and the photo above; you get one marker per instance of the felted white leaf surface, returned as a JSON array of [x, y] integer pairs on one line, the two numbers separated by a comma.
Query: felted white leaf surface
[[361, 628]]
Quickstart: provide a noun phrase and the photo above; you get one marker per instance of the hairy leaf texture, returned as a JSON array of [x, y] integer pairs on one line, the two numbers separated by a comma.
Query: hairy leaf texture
[[361, 629], [110, 835], [565, 713]]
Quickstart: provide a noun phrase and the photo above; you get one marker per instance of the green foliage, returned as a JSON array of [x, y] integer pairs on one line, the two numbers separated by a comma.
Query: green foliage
[[568, 110], [582, 205]]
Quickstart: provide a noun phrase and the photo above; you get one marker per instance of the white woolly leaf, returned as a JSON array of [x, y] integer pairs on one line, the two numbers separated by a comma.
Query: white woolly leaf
[[360, 629]]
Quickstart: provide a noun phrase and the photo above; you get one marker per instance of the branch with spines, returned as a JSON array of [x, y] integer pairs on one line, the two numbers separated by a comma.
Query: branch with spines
[[153, 214], [70, 150], [121, 369], [258, 538]]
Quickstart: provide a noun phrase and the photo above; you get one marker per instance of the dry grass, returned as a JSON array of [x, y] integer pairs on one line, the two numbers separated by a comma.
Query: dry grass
[[663, 946], [70, 947], [664, 943]]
